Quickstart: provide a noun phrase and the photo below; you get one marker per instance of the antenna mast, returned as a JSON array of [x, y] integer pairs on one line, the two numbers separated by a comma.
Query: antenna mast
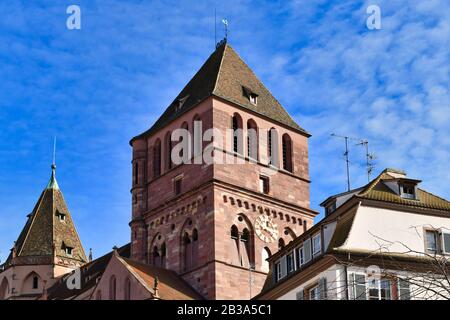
[[369, 158], [346, 155]]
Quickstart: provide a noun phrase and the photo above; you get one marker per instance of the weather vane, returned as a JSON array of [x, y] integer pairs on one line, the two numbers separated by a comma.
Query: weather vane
[[225, 23]]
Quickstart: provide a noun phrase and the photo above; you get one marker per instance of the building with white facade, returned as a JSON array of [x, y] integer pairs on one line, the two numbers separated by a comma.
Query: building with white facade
[[389, 240]]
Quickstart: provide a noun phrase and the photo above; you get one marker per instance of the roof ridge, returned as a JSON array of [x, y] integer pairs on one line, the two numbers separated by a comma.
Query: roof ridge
[[220, 66], [41, 199], [369, 187], [130, 268]]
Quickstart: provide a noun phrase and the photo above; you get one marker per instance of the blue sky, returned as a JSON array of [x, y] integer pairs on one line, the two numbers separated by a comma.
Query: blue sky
[[97, 87]]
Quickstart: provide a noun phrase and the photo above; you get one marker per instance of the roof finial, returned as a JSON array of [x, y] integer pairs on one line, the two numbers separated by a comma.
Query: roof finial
[[52, 183], [54, 152], [90, 254], [155, 288]]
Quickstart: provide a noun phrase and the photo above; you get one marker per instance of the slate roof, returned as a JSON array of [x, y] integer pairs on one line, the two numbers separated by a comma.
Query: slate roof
[[170, 285], [90, 272], [225, 75], [44, 235]]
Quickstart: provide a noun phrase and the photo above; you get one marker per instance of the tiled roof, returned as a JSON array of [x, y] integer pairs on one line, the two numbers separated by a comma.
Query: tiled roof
[[90, 272], [377, 190], [44, 232], [170, 285], [227, 76]]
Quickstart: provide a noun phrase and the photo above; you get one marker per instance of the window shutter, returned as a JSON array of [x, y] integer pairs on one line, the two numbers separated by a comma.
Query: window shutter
[[300, 295], [307, 250], [323, 288], [446, 243], [404, 292], [283, 267]]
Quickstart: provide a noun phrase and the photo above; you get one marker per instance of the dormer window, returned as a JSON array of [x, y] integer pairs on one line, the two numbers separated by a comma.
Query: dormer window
[[407, 192], [61, 216], [69, 251], [330, 208], [252, 96]]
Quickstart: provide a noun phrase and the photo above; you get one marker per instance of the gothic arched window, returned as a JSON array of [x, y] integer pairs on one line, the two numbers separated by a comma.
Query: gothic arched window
[[112, 288], [157, 159], [197, 133], [265, 254], [168, 150], [272, 147], [127, 289], [195, 245], [287, 152], [187, 252], [156, 257], [163, 255], [252, 139], [136, 173], [238, 143]]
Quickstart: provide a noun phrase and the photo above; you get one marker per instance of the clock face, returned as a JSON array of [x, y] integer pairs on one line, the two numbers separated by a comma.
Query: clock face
[[265, 229]]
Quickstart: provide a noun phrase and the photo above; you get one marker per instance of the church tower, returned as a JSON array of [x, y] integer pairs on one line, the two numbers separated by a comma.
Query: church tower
[[215, 224], [47, 248]]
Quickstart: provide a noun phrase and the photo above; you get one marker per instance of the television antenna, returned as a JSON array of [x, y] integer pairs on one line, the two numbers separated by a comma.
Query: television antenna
[[346, 155], [370, 156]]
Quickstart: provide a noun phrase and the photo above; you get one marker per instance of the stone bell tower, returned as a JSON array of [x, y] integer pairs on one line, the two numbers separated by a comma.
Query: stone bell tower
[[216, 223]]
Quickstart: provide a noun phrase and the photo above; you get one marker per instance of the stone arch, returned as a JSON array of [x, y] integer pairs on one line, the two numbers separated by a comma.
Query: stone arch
[[32, 282], [242, 241], [4, 289], [158, 251], [189, 245], [265, 254], [289, 232]]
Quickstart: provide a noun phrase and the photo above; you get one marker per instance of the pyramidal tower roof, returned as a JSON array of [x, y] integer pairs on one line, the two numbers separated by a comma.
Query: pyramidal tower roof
[[227, 76], [49, 234]]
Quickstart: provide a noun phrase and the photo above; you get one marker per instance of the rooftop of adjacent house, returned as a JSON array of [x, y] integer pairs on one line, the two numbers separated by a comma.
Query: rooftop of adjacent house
[[387, 187], [227, 76]]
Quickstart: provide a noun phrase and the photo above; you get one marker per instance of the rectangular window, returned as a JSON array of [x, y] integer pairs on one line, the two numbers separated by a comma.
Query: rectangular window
[[408, 192], [431, 241], [264, 184], [278, 270], [404, 292], [314, 293], [446, 243], [290, 262], [307, 250], [301, 257], [357, 286], [317, 245], [69, 251], [380, 289], [177, 186]]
